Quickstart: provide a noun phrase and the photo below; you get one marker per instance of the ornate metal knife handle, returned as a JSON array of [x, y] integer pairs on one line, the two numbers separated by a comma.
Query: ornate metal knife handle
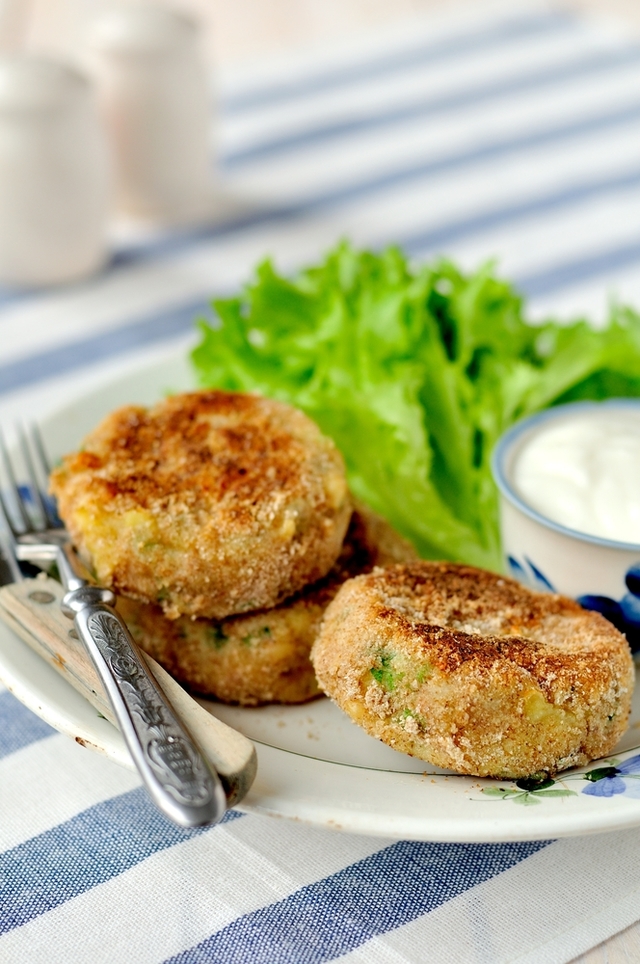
[[175, 773]]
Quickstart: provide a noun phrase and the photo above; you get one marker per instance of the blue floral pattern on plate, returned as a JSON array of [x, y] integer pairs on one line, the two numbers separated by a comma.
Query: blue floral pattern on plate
[[611, 778], [608, 781]]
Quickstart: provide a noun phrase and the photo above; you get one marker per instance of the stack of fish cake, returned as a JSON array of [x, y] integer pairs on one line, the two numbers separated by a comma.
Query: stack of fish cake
[[224, 523]]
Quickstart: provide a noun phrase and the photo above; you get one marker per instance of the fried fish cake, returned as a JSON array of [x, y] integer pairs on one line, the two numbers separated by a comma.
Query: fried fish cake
[[262, 657], [209, 504], [473, 672]]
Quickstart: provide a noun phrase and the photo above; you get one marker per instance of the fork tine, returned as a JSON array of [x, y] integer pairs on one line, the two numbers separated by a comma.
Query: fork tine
[[15, 489], [7, 550], [5, 519], [37, 444], [33, 478], [40, 450]]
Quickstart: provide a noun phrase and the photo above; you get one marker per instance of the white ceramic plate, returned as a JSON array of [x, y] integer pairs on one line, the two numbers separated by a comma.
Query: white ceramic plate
[[314, 765]]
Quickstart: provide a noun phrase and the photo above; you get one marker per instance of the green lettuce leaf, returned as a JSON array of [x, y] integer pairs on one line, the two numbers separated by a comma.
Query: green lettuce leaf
[[415, 373]]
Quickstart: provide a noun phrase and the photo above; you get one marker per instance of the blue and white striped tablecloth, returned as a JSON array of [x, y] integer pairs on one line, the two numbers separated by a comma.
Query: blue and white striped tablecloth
[[510, 132]]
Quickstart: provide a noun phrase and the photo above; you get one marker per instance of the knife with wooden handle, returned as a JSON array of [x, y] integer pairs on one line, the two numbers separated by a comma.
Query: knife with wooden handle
[[31, 608]]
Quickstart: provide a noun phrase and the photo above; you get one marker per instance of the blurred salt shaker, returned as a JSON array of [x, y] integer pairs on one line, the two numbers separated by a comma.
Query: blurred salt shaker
[[54, 174], [156, 100]]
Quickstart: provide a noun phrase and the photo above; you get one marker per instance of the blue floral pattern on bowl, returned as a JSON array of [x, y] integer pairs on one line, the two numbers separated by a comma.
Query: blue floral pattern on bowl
[[623, 613], [529, 574]]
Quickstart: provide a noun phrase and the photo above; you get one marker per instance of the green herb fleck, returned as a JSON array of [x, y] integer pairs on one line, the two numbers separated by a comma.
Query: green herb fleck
[[382, 673], [217, 636]]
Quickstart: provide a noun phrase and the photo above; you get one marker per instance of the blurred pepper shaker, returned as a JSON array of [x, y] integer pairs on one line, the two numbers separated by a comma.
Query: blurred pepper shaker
[[54, 174], [156, 99]]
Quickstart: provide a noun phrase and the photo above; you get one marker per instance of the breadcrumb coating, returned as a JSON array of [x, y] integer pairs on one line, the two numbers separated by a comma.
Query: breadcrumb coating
[[262, 657], [209, 504], [473, 672]]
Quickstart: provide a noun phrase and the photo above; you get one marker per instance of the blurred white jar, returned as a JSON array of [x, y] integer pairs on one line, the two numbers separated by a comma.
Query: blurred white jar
[[54, 174], [156, 100]]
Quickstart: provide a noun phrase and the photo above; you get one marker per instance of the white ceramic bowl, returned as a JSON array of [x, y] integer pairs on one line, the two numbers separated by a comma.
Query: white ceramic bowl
[[600, 573]]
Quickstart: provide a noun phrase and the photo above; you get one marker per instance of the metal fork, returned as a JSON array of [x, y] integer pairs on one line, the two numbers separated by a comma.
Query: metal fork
[[174, 771]]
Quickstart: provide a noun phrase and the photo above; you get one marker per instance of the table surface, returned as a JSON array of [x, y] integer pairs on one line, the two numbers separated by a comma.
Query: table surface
[[241, 30]]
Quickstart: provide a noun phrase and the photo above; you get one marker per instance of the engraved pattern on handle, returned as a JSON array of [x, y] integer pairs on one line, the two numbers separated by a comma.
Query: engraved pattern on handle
[[164, 744]]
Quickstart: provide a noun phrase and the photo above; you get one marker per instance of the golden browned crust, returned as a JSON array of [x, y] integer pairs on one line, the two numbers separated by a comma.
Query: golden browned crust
[[473, 672], [210, 503], [262, 657]]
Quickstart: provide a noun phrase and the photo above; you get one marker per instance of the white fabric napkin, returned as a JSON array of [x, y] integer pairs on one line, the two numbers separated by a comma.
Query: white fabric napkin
[[90, 872]]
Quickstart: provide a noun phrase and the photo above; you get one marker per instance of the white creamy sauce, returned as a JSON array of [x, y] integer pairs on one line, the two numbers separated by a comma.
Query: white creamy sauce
[[583, 471]]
